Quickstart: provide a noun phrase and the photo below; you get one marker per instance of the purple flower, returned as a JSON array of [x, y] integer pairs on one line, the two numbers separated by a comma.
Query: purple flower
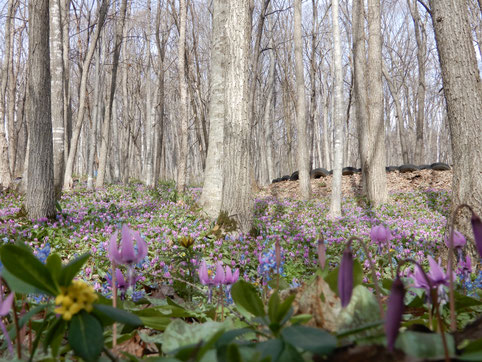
[[380, 234], [437, 277], [477, 229], [220, 276], [394, 312], [5, 306], [205, 274], [126, 254], [345, 277], [458, 239], [465, 267], [230, 277]]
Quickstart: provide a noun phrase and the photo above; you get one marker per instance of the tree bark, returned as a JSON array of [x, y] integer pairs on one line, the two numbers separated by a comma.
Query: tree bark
[[212, 193], [99, 182], [301, 120], [181, 66], [40, 201], [338, 116], [82, 93], [237, 191], [57, 87], [5, 174], [463, 95]]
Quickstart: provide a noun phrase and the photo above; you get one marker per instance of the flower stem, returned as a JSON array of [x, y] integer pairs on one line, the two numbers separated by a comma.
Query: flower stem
[[15, 320], [374, 274], [114, 304], [440, 325]]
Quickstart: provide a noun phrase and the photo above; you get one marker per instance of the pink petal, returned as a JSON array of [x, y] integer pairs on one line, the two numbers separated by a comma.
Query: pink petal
[[229, 276], [203, 273], [6, 305], [113, 250], [141, 246], [128, 254]]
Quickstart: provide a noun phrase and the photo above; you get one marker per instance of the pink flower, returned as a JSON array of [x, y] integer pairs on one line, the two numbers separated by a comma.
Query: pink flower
[[230, 277], [380, 234], [125, 253], [459, 240]]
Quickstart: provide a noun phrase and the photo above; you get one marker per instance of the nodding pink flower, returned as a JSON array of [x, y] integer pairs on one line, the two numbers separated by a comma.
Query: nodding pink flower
[[345, 277], [230, 277], [5, 306], [220, 276], [465, 267], [125, 252], [458, 239], [394, 312], [477, 229], [380, 234], [203, 274]]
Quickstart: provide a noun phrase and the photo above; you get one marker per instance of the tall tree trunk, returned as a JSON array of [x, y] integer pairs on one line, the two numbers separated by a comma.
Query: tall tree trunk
[[338, 115], [268, 122], [237, 190], [463, 95], [421, 39], [119, 29], [5, 174], [40, 201], [65, 18], [57, 87], [301, 120], [82, 93], [399, 115], [11, 95], [181, 65], [212, 193], [373, 157]]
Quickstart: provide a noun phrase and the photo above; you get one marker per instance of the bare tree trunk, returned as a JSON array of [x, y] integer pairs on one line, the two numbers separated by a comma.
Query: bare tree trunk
[[399, 115], [40, 201], [303, 144], [65, 18], [268, 126], [181, 65], [374, 161], [338, 115], [82, 93], [57, 87], [326, 133], [212, 193], [463, 95], [99, 182], [5, 174], [421, 38], [237, 191]]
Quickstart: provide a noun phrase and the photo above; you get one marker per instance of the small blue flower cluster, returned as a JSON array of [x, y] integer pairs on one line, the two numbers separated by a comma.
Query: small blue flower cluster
[[267, 264], [472, 286], [43, 253]]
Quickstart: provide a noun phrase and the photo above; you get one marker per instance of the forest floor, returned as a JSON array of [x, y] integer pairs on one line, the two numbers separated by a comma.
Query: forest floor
[[351, 185]]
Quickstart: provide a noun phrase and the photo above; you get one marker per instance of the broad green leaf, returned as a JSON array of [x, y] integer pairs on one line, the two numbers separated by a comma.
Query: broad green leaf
[[86, 336], [179, 333], [229, 336], [19, 286], [119, 315], [271, 348], [283, 284], [472, 352], [290, 354], [54, 336], [209, 344], [284, 308], [463, 301], [246, 296], [70, 270], [54, 265], [273, 305], [152, 318], [233, 354], [301, 318], [424, 345], [309, 339], [25, 266]]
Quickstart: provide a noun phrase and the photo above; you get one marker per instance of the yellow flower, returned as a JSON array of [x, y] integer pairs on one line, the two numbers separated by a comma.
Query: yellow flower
[[186, 241], [79, 295]]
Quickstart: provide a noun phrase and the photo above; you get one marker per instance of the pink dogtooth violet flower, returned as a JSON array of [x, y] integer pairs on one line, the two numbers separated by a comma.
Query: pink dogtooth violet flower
[[477, 230], [125, 253], [458, 239], [345, 277], [380, 234], [231, 277], [394, 314]]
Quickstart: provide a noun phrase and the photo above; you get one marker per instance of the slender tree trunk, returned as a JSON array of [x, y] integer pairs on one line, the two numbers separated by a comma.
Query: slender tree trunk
[[268, 126], [12, 90], [237, 189], [326, 133], [373, 157], [463, 96], [301, 119], [65, 21], [181, 65], [40, 201], [99, 182], [5, 174], [82, 93], [212, 193], [421, 39], [57, 86], [338, 115]]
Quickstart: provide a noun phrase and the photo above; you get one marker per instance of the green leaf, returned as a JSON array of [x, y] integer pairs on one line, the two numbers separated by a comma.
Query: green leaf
[[54, 336], [54, 265], [290, 354], [152, 318], [118, 315], [332, 277], [284, 308], [273, 305], [70, 270], [229, 336], [86, 336], [283, 284], [472, 352], [233, 353], [18, 285], [246, 297], [424, 345], [25, 266], [271, 348], [301, 318], [309, 339], [463, 302]]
